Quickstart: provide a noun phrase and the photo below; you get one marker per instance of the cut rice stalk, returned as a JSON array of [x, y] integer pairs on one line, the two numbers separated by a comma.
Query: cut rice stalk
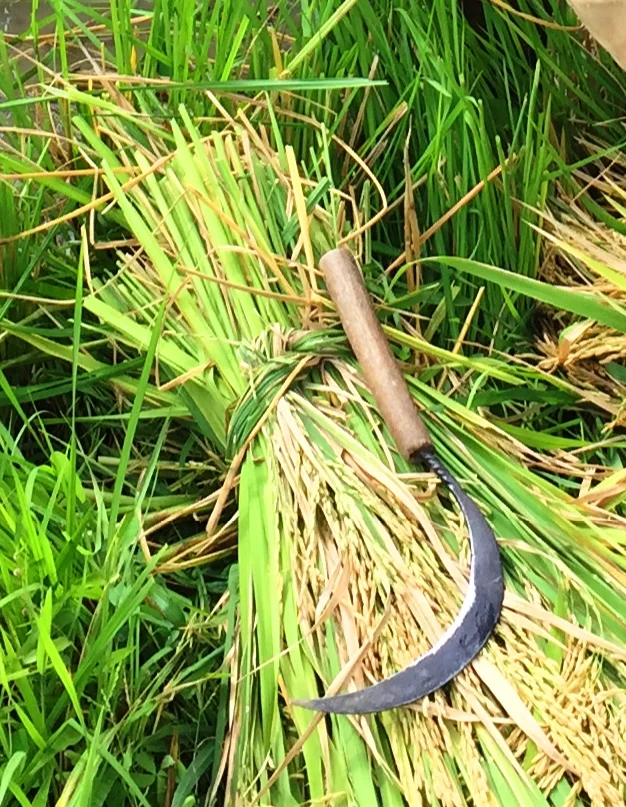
[[340, 548]]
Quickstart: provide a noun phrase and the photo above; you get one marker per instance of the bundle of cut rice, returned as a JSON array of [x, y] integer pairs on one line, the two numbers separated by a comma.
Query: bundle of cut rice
[[349, 565]]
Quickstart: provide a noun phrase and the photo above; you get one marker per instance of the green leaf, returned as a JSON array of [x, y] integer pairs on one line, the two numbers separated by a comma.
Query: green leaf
[[587, 304], [10, 770]]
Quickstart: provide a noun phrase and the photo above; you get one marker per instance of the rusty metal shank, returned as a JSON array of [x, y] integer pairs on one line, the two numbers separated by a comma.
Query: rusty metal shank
[[481, 609]]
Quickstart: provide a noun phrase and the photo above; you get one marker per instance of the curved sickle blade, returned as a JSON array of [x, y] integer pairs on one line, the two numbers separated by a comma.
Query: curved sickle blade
[[464, 638]]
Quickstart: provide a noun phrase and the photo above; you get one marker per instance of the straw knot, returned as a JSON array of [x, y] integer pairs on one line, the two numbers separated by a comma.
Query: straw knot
[[273, 363]]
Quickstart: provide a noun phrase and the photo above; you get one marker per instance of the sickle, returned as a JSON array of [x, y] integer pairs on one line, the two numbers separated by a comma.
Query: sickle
[[483, 603]]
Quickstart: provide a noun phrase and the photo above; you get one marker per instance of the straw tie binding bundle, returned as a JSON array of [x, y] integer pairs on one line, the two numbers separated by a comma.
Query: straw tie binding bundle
[[268, 363]]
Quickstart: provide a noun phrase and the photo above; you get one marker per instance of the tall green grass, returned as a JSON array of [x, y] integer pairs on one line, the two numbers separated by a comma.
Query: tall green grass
[[99, 658]]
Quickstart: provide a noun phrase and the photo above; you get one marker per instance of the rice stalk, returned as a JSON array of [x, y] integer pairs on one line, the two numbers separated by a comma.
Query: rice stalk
[[340, 546], [586, 255]]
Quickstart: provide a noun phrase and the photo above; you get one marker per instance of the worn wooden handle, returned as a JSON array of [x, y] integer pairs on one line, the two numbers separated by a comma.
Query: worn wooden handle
[[381, 371]]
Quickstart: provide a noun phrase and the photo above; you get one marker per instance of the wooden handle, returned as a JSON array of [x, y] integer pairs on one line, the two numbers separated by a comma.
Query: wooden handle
[[381, 371]]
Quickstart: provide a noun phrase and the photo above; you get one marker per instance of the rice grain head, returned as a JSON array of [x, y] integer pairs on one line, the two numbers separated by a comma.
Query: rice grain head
[[386, 553]]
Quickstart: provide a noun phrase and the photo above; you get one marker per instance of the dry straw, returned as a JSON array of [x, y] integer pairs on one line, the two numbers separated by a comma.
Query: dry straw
[[587, 255]]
